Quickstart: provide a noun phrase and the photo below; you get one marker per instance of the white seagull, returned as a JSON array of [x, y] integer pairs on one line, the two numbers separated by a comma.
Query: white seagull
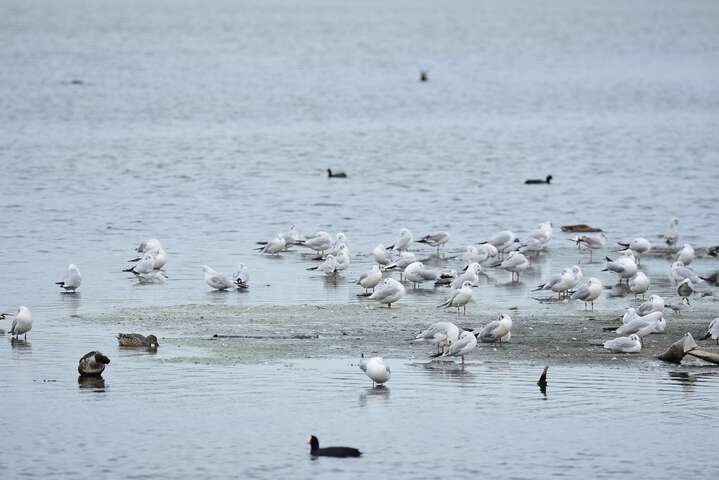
[[713, 331], [630, 344], [381, 255], [417, 273], [72, 280], [639, 246], [403, 242], [22, 322], [439, 333], [499, 330], [625, 266], [639, 284], [515, 263], [464, 345], [390, 292], [216, 280], [459, 298], [589, 292], [370, 279], [672, 233], [375, 369], [241, 277], [685, 254], [435, 239]]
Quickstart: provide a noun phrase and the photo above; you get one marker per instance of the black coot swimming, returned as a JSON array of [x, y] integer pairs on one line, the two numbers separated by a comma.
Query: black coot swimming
[[316, 451], [536, 181]]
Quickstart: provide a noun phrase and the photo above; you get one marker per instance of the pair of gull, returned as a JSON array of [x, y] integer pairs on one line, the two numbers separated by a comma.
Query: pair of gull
[[433, 239], [149, 266], [637, 323], [451, 341], [218, 281]]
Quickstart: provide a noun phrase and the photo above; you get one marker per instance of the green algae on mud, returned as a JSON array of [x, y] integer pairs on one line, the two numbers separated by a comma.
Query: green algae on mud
[[230, 334]]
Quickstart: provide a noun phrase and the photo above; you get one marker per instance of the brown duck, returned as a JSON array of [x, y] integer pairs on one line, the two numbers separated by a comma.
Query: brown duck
[[92, 364], [137, 340]]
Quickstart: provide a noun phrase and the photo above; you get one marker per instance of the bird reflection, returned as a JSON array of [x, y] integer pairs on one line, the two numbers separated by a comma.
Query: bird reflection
[[93, 383], [374, 395]]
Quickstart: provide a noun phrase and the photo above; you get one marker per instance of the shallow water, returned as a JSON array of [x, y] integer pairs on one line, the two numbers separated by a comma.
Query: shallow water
[[209, 126]]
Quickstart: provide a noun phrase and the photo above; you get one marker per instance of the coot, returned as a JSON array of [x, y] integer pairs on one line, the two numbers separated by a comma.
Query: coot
[[536, 181], [316, 451]]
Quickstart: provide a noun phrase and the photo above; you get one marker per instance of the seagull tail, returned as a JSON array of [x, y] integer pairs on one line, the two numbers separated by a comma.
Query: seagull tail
[[136, 259], [623, 244], [62, 284], [311, 268], [131, 269], [706, 335]]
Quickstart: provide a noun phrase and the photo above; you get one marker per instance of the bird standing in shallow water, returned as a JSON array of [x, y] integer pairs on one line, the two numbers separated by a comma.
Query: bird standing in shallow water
[[72, 279], [340, 452], [21, 324]]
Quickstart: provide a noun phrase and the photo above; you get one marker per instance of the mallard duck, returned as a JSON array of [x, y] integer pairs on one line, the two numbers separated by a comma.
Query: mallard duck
[[137, 340], [92, 364]]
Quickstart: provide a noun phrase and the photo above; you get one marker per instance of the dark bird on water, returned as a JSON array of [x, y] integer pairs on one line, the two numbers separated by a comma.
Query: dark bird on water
[[316, 451], [137, 340], [539, 181], [423, 77], [92, 364], [330, 174]]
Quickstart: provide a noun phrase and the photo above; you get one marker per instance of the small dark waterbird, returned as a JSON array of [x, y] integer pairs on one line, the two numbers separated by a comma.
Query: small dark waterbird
[[331, 174], [316, 451], [539, 181], [423, 76], [92, 364]]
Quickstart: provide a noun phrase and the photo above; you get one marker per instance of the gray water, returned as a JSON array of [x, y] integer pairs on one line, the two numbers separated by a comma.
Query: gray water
[[209, 126]]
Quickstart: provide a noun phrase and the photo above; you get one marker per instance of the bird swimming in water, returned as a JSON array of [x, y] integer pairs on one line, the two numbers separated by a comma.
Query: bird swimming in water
[[92, 364], [423, 76], [331, 174], [339, 452], [539, 181], [137, 340]]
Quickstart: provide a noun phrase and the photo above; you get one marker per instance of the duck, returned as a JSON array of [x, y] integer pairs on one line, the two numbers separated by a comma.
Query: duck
[[331, 174], [539, 181], [21, 324], [340, 452], [72, 279], [137, 340], [92, 364]]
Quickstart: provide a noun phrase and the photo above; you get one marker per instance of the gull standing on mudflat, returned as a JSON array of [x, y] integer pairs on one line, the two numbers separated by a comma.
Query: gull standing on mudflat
[[515, 263], [22, 322], [463, 346], [625, 266], [589, 292], [405, 259], [499, 330], [417, 273], [390, 292], [72, 280], [681, 272], [651, 323], [275, 246], [630, 344], [685, 289], [339, 242], [329, 266], [543, 233], [655, 303], [502, 241], [562, 283], [403, 242], [439, 333], [479, 254], [146, 265], [639, 284], [370, 279], [241, 277], [590, 242], [459, 298], [216, 280], [470, 275], [319, 242]]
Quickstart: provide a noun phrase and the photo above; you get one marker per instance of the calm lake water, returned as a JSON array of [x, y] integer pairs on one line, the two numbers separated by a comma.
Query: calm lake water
[[209, 125]]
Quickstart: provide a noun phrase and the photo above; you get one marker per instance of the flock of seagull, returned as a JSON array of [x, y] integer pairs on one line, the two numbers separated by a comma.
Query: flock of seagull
[[505, 251]]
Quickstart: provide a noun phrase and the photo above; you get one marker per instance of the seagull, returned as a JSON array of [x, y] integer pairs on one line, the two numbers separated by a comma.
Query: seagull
[[21, 324], [589, 292], [241, 277], [515, 263], [72, 279], [216, 280], [712, 331], [370, 279], [590, 242], [643, 325], [405, 259], [375, 369], [402, 244], [381, 255], [339, 242], [685, 289], [159, 257], [319, 242], [390, 292], [502, 241], [479, 254], [562, 283], [464, 345], [470, 275], [630, 344], [639, 246], [681, 272], [625, 266], [417, 273], [148, 245], [685, 255], [146, 265], [654, 304], [292, 236], [435, 239], [439, 333], [543, 233], [638, 284], [329, 266], [496, 331], [459, 298], [672, 233], [275, 246]]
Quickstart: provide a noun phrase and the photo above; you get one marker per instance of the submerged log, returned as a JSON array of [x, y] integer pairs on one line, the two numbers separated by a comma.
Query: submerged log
[[679, 349], [706, 356]]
